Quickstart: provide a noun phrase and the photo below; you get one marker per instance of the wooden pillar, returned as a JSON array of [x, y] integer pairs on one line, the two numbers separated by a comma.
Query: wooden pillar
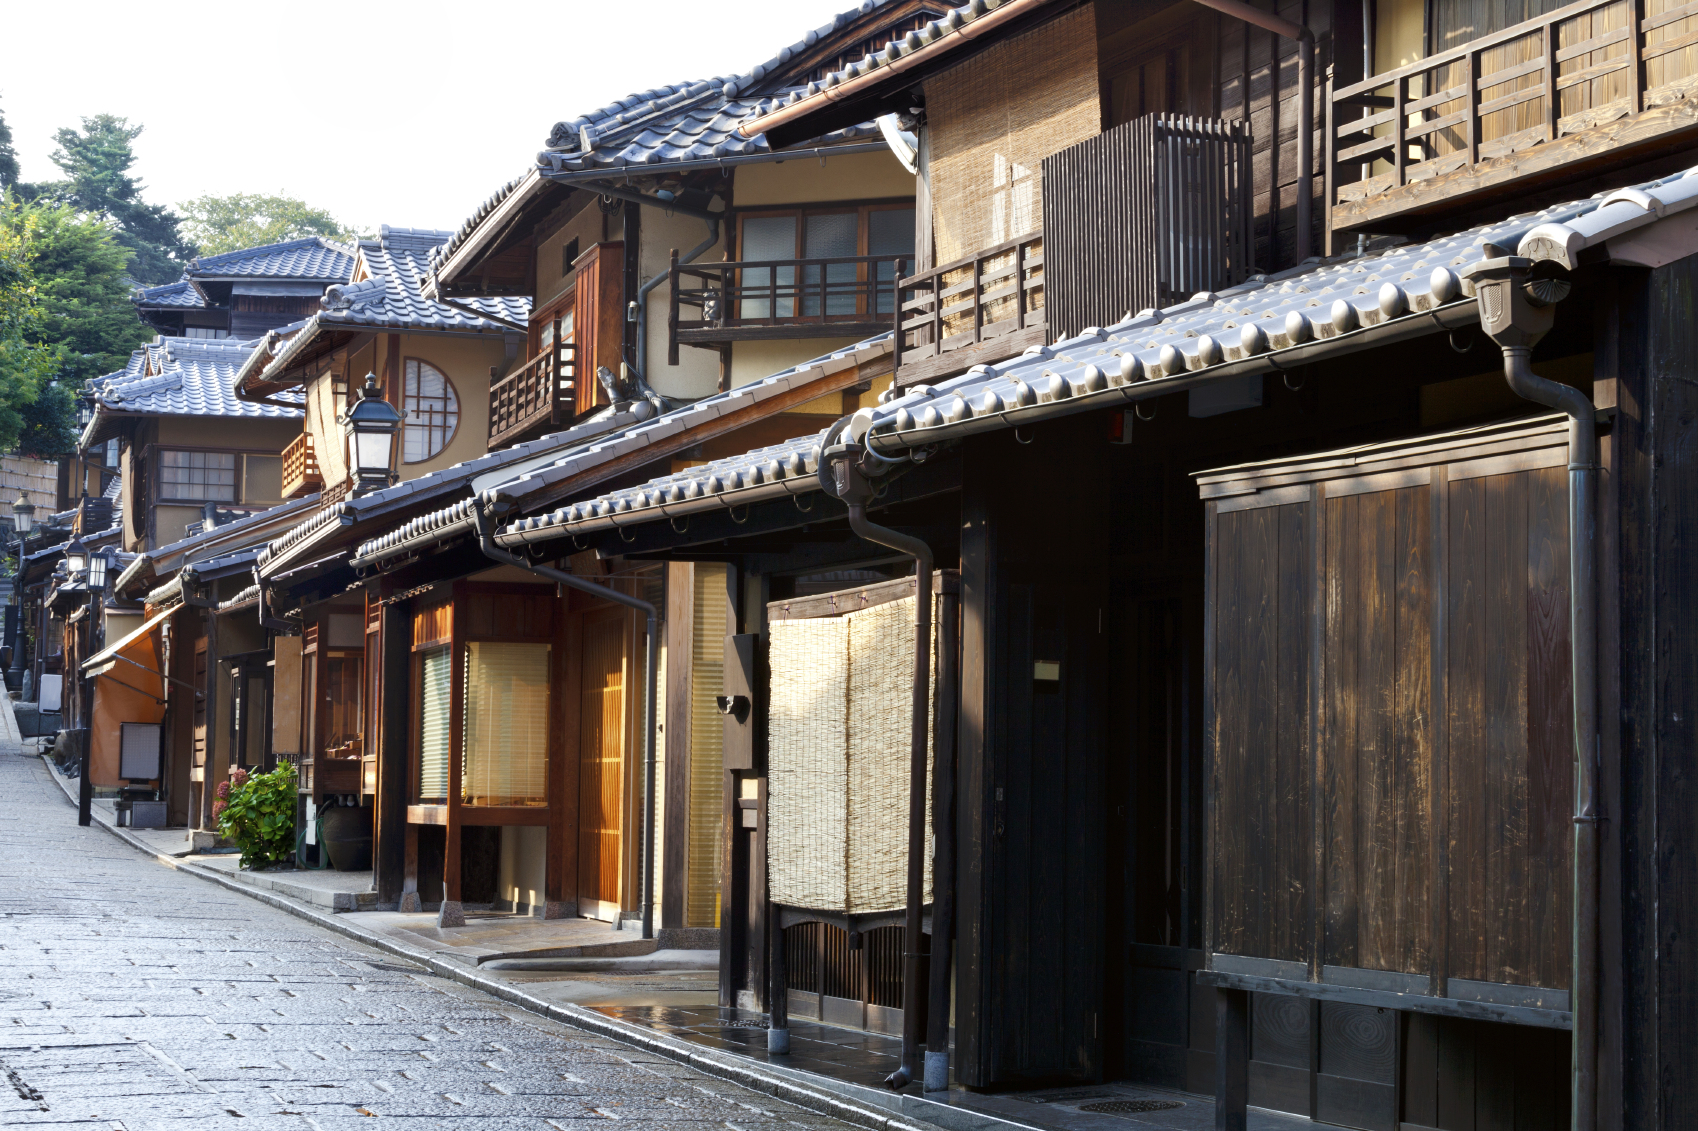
[[563, 827], [210, 776], [390, 857], [562, 785], [1232, 1059]]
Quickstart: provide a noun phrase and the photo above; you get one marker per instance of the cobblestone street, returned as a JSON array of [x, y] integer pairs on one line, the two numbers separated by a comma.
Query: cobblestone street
[[133, 996]]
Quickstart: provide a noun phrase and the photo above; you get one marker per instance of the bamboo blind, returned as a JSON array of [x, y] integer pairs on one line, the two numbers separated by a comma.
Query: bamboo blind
[[992, 120], [707, 740], [505, 757], [837, 754], [435, 667]]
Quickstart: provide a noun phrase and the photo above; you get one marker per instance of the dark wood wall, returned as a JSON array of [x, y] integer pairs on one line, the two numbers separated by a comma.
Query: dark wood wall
[[1651, 879], [1030, 793]]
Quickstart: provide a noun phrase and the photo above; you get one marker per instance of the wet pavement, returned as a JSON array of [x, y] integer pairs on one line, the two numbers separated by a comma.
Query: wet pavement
[[133, 996]]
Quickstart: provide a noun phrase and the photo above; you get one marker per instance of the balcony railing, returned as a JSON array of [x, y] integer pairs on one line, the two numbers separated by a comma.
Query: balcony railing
[[1538, 91], [300, 468], [540, 394], [849, 295], [993, 298]]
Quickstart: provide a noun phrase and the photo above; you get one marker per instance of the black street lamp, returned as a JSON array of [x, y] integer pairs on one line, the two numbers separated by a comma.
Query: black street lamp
[[76, 558], [95, 564], [23, 517], [370, 426]]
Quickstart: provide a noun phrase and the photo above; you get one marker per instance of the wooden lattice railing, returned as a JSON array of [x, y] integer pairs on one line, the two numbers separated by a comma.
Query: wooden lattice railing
[[539, 393], [1545, 79], [300, 468]]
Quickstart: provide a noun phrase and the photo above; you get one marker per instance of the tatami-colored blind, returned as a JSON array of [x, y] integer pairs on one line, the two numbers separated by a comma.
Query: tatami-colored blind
[[837, 760], [992, 120], [707, 740], [506, 745], [433, 725]]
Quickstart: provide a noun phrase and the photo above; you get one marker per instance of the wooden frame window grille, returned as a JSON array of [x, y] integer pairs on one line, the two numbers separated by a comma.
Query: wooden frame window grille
[[430, 409], [197, 476], [827, 231]]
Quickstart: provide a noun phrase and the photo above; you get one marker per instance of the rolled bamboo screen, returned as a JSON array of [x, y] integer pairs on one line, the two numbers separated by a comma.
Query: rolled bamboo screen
[[837, 760], [991, 121]]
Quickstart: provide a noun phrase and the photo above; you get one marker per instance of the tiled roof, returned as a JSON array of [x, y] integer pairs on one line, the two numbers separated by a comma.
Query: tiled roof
[[669, 125], [313, 258], [390, 299], [178, 294], [442, 252], [952, 24], [411, 492], [171, 555], [575, 458], [1266, 325], [181, 377]]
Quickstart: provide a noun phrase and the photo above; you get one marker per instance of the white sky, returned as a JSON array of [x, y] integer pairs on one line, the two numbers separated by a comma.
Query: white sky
[[380, 111]]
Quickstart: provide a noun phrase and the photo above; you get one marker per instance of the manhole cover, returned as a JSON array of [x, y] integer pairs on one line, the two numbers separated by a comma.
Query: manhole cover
[[1130, 1107]]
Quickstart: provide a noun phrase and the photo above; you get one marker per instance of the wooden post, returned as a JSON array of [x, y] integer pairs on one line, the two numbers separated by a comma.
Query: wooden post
[[1400, 123], [896, 296], [209, 769], [395, 657], [452, 913], [1232, 1059], [1470, 96], [1553, 98]]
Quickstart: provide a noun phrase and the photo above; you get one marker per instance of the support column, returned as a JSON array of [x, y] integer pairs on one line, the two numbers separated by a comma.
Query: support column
[[390, 857], [1232, 1059]]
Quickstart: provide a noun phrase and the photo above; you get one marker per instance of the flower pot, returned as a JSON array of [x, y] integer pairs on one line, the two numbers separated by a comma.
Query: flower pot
[[346, 835]]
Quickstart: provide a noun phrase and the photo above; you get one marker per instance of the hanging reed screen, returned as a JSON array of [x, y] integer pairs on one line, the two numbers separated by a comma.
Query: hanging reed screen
[[506, 743], [837, 753]]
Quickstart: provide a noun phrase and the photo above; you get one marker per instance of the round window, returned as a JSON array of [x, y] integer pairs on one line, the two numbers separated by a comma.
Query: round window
[[430, 410]]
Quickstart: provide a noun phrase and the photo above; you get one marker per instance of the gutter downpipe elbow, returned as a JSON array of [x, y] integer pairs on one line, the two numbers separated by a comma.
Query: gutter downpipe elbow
[[854, 489], [486, 543], [647, 288], [1516, 310]]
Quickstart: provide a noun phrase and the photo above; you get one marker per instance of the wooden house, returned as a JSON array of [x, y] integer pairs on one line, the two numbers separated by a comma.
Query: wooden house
[[1273, 761], [242, 294]]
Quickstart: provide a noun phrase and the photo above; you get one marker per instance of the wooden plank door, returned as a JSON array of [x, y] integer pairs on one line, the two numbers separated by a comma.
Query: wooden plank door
[[601, 752]]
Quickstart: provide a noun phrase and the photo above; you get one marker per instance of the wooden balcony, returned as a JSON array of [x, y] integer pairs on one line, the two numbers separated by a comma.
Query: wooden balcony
[[300, 468], [1584, 90], [977, 310], [843, 296], [531, 400]]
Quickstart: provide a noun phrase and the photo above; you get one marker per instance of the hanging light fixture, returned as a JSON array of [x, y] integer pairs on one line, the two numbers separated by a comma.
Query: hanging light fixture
[[23, 514], [76, 557], [369, 427]]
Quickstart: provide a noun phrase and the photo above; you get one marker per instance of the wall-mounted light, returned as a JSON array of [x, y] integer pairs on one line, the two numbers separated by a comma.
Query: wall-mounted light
[[369, 428]]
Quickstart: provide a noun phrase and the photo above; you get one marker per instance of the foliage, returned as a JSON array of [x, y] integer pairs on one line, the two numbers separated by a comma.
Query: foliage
[[96, 163], [8, 156], [27, 364], [228, 223], [258, 812]]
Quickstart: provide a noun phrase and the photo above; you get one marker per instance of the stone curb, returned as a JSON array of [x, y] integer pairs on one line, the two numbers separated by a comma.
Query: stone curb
[[707, 1062]]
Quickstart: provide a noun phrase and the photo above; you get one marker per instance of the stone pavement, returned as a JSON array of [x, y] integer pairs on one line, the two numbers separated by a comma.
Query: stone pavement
[[133, 996]]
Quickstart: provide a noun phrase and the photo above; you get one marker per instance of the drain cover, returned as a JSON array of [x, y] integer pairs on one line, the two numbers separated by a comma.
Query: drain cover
[[1130, 1107], [742, 1024]]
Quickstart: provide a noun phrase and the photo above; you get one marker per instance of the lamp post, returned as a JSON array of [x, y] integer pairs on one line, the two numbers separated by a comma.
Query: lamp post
[[369, 427], [23, 517]]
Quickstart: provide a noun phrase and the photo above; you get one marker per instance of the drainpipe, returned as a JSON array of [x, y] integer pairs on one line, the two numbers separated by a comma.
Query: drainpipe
[[1517, 309], [1305, 107], [850, 482], [486, 542], [648, 287]]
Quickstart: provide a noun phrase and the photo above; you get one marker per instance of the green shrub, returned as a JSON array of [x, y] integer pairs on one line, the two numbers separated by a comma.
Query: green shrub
[[258, 812]]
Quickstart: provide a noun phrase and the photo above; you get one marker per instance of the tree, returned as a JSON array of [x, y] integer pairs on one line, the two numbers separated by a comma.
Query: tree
[[227, 223], [8, 156], [96, 163], [75, 321], [27, 365]]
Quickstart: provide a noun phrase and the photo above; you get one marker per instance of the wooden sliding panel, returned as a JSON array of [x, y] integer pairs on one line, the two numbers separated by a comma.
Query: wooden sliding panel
[[1262, 783], [1510, 745], [602, 729], [1378, 753]]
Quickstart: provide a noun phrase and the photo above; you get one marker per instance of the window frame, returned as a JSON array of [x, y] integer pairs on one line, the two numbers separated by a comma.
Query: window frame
[[454, 392], [862, 211], [161, 451]]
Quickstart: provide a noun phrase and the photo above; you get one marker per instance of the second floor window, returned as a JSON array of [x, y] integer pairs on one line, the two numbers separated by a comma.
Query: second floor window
[[430, 410], [848, 290], [198, 476]]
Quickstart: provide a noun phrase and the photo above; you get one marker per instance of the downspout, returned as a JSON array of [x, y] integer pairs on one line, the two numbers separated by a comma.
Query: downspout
[[1305, 107], [647, 288], [486, 543], [1517, 309], [851, 485], [266, 620]]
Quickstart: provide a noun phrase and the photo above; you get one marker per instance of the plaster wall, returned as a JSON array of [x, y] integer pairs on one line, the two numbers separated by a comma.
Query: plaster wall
[[809, 180], [752, 361], [697, 371], [523, 869]]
